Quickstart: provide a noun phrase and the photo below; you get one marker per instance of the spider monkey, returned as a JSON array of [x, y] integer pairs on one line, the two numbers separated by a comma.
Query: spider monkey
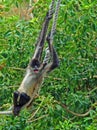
[[36, 70]]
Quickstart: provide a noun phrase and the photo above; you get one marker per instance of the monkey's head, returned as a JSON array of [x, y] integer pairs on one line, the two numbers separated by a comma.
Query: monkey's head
[[35, 64], [19, 100]]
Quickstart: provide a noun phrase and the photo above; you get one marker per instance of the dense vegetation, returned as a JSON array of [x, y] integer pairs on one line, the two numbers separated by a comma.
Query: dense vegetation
[[74, 83]]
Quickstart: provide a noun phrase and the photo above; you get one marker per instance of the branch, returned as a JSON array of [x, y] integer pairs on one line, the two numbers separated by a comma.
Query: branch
[[6, 112], [92, 90], [36, 110], [38, 118], [14, 68], [74, 113]]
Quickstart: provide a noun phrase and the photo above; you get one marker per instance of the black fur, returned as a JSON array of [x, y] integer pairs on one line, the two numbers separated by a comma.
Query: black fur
[[24, 98], [34, 63]]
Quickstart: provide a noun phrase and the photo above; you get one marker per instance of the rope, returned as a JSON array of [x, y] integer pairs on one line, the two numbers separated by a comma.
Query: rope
[[55, 20], [51, 8]]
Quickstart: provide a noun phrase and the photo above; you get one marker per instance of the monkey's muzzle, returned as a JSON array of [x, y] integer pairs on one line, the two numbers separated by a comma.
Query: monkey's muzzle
[[19, 100]]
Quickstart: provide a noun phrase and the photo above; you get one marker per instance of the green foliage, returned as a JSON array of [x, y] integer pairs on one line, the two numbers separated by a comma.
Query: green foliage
[[74, 83]]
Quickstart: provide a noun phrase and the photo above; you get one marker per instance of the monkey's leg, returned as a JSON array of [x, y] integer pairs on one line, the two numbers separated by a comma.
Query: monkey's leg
[[54, 56]]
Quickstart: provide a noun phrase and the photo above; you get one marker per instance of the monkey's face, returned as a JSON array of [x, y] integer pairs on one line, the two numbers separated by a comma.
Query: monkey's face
[[35, 64], [19, 100]]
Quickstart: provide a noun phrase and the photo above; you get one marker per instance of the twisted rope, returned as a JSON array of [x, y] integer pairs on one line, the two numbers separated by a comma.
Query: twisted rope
[[55, 20], [51, 8]]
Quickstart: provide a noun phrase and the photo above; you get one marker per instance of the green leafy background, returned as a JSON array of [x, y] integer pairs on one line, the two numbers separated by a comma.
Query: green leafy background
[[74, 83]]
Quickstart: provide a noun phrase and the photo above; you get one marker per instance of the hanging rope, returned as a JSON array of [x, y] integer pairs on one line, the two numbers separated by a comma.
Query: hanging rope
[[55, 20], [51, 10]]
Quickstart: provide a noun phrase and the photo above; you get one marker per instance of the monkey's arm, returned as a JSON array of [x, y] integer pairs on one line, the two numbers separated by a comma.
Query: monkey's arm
[[41, 38]]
